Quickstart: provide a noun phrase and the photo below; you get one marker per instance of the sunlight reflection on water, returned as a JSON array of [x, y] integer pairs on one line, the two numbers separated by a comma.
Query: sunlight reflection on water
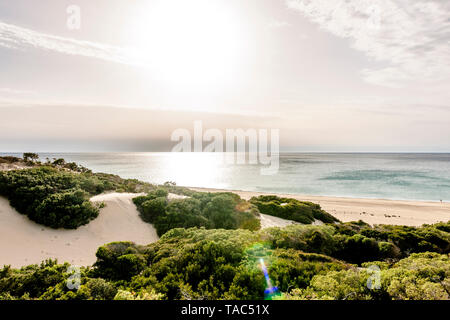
[[389, 176]]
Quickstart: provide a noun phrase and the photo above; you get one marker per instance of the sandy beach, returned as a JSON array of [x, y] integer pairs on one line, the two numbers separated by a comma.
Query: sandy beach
[[24, 242], [372, 211]]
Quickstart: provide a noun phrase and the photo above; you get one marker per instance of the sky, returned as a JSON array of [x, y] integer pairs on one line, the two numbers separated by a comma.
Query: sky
[[331, 75]]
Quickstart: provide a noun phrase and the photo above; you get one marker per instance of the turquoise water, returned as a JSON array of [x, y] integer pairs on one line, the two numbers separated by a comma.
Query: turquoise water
[[362, 175]]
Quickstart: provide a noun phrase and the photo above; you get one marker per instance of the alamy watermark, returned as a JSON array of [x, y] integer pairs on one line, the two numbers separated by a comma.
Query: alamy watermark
[[250, 146], [374, 280], [73, 282], [74, 17]]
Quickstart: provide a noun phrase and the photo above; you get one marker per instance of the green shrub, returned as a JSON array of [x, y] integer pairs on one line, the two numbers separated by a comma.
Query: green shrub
[[307, 238], [292, 209], [57, 197], [422, 276], [100, 289], [142, 295], [210, 210], [119, 261], [199, 263], [226, 264], [356, 249], [31, 280], [65, 210], [220, 211], [295, 269], [152, 209], [9, 159], [181, 213], [49, 196]]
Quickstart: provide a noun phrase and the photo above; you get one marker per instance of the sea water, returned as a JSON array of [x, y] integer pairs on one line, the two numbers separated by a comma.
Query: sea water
[[360, 175]]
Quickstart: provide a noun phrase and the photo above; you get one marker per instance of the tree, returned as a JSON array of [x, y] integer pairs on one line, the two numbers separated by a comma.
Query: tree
[[29, 156], [59, 162]]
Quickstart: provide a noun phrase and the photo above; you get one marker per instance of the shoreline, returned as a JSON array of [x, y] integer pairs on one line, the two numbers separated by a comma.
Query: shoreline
[[372, 211], [287, 194]]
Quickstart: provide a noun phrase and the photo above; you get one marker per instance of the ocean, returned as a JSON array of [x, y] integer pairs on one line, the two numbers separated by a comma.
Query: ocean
[[359, 175]]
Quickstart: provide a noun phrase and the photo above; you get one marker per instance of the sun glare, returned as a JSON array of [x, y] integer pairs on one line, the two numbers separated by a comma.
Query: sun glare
[[188, 44], [194, 169]]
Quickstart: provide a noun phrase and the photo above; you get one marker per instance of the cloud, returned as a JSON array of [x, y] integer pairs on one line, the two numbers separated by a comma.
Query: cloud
[[411, 37], [16, 91], [75, 127], [14, 37], [44, 126], [279, 24]]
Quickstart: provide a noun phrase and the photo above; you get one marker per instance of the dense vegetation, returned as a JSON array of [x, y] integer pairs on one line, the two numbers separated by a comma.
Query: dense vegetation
[[10, 159], [200, 209], [57, 194], [421, 276], [292, 209], [211, 246], [358, 242], [303, 262]]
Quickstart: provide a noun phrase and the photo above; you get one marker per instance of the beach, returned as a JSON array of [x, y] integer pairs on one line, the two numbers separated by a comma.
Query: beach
[[372, 211]]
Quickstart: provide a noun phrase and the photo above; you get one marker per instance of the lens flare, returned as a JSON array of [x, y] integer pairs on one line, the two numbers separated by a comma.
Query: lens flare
[[259, 256], [270, 291]]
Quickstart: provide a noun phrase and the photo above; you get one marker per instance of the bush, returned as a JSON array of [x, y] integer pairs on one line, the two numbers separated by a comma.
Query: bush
[[142, 295], [65, 210], [356, 249], [292, 209], [181, 213], [49, 196], [119, 261], [295, 269], [59, 198], [226, 264], [210, 210], [100, 289], [307, 238], [407, 240], [423, 276], [358, 243], [32, 280], [30, 157], [152, 209], [220, 211], [9, 159], [201, 264]]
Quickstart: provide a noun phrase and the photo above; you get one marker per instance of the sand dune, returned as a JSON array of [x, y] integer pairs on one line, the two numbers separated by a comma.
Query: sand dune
[[271, 221], [372, 211], [24, 242]]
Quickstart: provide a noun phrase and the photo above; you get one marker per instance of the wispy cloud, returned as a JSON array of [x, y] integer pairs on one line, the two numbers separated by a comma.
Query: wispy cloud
[[411, 36], [278, 24], [15, 91], [14, 37]]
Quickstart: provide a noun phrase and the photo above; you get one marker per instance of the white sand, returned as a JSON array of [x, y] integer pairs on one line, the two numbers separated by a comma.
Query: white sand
[[174, 196], [372, 211], [24, 242], [271, 221], [12, 166]]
